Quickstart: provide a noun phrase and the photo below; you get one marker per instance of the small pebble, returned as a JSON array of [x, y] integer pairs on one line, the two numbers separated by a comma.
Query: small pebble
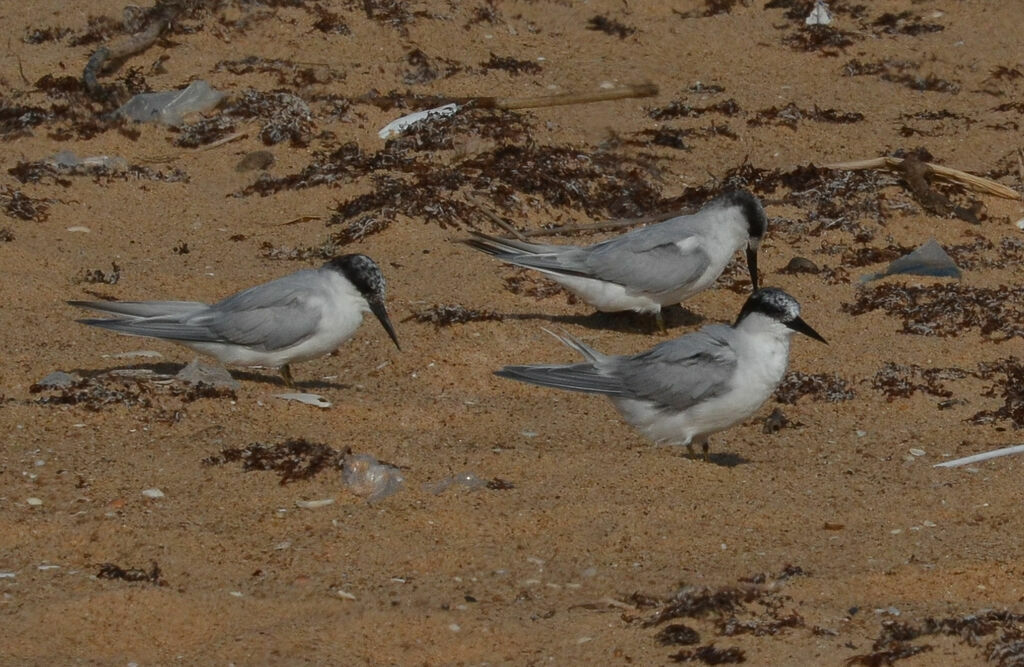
[[255, 160], [801, 265], [153, 494], [346, 595], [34, 502], [917, 452]]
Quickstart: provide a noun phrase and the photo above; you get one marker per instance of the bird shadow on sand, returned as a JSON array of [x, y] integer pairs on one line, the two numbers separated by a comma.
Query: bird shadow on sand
[[676, 317], [727, 459], [170, 369]]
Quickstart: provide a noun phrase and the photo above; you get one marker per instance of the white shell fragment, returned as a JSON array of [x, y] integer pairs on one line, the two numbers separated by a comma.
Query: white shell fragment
[[314, 504], [153, 494], [820, 15], [309, 399], [400, 125]]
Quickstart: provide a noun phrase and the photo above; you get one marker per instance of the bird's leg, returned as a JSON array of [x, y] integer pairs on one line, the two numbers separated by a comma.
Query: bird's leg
[[286, 374], [705, 447], [659, 320]]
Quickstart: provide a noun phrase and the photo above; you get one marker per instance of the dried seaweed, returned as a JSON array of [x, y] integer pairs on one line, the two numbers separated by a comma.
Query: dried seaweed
[[898, 71], [97, 276], [329, 22], [791, 115], [697, 601], [513, 66], [888, 655], [610, 26], [285, 116], [760, 627], [820, 387], [294, 459], [1010, 388], [17, 204], [19, 119], [205, 131], [110, 389], [677, 634], [902, 381], [947, 309], [711, 655], [904, 23], [424, 68], [112, 571], [6, 235], [822, 39], [678, 109], [288, 73], [444, 315]]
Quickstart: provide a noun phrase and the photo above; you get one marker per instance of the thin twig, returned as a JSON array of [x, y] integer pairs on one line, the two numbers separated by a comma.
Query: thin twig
[[493, 217], [508, 103], [995, 453], [976, 183], [225, 140]]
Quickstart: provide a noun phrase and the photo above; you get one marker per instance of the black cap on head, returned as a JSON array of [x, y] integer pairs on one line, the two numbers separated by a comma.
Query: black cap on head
[[365, 276], [753, 212], [776, 304]]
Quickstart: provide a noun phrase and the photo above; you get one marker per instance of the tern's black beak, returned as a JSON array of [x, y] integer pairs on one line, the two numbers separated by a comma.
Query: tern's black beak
[[800, 326], [377, 308], [752, 264]]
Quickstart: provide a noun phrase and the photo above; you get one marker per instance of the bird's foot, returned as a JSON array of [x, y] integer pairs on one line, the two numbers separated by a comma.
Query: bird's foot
[[286, 375]]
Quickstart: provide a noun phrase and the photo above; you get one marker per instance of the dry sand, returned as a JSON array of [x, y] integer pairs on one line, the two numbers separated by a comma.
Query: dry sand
[[547, 571]]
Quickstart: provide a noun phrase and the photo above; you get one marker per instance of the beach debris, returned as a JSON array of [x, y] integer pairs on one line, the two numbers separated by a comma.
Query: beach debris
[[400, 125], [170, 107], [985, 456], [66, 162], [976, 183], [929, 259], [34, 502], [57, 380], [112, 571], [366, 476], [153, 494], [294, 459], [464, 479], [198, 372], [820, 15], [309, 399], [314, 504]]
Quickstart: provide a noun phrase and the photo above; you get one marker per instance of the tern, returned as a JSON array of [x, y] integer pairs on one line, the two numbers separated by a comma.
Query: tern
[[301, 316], [648, 268], [681, 391]]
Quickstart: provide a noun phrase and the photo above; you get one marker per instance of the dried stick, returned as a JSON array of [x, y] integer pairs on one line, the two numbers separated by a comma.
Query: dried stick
[[508, 103], [976, 183]]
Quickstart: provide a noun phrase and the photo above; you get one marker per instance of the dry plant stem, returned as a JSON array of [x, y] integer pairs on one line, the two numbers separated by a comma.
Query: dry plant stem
[[976, 183], [508, 103], [493, 217]]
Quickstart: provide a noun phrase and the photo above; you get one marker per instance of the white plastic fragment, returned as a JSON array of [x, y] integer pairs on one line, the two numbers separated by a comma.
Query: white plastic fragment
[[153, 494], [170, 107], [345, 594], [914, 451], [137, 354], [309, 399], [314, 504], [820, 15], [79, 228], [34, 502], [994, 454], [465, 479], [400, 125], [8, 575], [365, 476]]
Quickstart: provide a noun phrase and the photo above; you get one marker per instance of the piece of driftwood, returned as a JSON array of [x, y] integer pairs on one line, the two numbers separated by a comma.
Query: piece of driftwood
[[976, 183]]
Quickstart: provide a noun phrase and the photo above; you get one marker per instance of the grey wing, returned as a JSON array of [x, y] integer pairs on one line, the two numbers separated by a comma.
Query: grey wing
[[653, 260], [682, 372], [142, 308], [585, 378], [272, 316]]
